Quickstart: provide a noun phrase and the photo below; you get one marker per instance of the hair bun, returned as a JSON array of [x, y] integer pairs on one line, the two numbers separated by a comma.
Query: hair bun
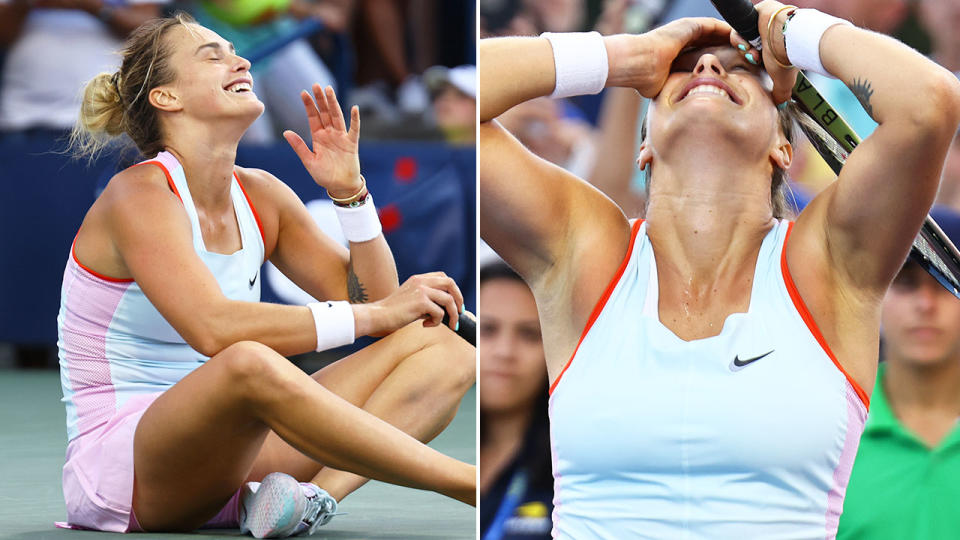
[[102, 107]]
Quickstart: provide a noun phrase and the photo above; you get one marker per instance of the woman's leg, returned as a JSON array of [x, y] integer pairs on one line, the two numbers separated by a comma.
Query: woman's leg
[[414, 379], [196, 443]]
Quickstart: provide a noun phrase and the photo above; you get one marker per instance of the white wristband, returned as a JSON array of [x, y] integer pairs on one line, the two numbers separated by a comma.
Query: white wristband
[[334, 323], [580, 59], [802, 37], [360, 223]]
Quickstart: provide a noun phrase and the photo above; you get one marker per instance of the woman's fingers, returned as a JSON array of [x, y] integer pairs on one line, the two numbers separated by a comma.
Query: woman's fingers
[[746, 50], [300, 147], [442, 281], [702, 31], [354, 124], [313, 115], [336, 113], [324, 107], [443, 300]]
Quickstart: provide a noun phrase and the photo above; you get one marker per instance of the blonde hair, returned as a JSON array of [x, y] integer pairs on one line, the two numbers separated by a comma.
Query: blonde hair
[[115, 104]]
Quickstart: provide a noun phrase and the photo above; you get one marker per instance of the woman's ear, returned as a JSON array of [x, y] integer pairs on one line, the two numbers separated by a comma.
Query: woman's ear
[[164, 99], [645, 157], [782, 155]]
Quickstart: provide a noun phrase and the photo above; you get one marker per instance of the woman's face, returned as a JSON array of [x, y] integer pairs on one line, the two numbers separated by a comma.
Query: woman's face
[[211, 81], [512, 367], [715, 95]]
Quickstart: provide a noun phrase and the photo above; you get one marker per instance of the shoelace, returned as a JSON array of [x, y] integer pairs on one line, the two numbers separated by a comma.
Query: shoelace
[[321, 509]]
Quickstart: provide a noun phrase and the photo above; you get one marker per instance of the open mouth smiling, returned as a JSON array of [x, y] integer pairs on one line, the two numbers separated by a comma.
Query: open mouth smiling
[[709, 86], [240, 86]]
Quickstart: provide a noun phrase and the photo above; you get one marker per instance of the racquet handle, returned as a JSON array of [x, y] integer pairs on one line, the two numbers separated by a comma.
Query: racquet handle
[[468, 326], [742, 16]]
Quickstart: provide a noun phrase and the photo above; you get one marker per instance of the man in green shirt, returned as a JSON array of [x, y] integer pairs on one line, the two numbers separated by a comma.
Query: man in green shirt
[[905, 482]]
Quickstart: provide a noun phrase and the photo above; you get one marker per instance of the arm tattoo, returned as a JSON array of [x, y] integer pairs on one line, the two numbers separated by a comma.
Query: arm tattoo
[[863, 90], [355, 291]]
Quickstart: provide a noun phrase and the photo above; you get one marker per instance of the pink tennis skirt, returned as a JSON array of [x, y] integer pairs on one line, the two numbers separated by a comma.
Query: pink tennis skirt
[[98, 476]]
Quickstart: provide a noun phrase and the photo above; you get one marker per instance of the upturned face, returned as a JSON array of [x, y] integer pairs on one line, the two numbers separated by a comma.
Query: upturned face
[[715, 96], [512, 366], [211, 81], [920, 319]]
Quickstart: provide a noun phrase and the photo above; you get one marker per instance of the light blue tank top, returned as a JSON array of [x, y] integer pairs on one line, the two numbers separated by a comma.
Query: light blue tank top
[[747, 434], [114, 344]]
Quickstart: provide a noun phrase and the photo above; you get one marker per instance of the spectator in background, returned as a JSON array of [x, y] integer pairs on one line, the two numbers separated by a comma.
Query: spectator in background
[[906, 477], [54, 47], [516, 483], [280, 77], [454, 96], [401, 44], [941, 19], [554, 130]]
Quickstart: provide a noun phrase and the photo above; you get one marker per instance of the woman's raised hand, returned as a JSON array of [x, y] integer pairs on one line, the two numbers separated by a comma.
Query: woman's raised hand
[[643, 61], [774, 50], [333, 163], [423, 296]]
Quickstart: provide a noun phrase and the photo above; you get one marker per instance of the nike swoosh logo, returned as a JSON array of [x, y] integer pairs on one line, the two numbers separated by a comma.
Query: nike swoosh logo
[[254, 280], [739, 364]]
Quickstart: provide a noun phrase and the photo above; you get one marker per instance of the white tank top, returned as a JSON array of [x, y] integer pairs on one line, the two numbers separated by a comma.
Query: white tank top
[[747, 434], [113, 342]]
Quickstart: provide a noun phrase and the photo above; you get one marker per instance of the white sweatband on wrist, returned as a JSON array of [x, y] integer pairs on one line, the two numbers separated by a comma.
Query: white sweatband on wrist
[[802, 37], [580, 59], [334, 323], [359, 223]]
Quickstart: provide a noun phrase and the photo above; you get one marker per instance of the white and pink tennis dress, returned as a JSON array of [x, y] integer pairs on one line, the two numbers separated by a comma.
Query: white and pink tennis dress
[[118, 353], [747, 434]]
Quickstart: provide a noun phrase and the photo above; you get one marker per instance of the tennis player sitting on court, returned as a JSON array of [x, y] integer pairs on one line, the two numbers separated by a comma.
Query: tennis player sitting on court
[[175, 387], [708, 363]]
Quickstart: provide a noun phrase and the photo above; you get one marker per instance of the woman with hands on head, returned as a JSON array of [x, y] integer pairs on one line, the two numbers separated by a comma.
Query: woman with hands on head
[[708, 362], [179, 402]]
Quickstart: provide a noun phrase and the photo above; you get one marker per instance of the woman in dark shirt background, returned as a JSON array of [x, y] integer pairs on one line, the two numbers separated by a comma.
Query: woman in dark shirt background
[[516, 482]]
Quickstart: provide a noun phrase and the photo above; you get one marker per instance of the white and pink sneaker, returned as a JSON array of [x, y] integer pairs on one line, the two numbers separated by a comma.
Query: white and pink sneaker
[[280, 507]]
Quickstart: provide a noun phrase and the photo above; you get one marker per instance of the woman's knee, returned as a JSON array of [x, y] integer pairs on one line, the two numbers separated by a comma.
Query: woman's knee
[[248, 365], [453, 360]]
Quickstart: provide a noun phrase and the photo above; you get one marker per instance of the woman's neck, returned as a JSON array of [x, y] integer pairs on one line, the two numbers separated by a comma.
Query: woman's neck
[[924, 398], [923, 387], [208, 158], [704, 221]]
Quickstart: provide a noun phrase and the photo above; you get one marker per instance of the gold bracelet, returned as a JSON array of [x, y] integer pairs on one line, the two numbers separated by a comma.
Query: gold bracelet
[[770, 36], [353, 198]]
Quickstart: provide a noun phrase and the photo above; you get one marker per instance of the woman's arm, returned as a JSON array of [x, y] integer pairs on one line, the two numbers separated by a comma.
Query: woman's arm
[[137, 229], [538, 217], [868, 218], [365, 272], [368, 272]]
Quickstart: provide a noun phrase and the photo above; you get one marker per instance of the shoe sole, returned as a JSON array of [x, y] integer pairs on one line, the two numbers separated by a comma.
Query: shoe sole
[[275, 510]]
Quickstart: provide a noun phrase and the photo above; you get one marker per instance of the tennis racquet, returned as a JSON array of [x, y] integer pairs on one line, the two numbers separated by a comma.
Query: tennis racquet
[[834, 139]]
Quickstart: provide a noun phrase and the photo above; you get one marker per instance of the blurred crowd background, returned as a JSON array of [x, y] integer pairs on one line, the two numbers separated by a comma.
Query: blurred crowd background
[[907, 474], [408, 64]]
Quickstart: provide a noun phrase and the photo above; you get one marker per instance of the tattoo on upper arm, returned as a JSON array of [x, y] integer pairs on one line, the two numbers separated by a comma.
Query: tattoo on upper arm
[[355, 290], [863, 90]]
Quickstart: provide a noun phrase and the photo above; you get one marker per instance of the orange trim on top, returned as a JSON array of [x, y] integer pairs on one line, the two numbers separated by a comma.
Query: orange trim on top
[[73, 253], [602, 301], [253, 209], [173, 187], [811, 324]]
